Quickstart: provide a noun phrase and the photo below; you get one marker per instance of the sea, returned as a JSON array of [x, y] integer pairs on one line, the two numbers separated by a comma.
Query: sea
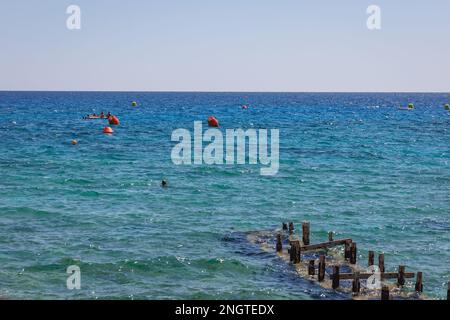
[[357, 164]]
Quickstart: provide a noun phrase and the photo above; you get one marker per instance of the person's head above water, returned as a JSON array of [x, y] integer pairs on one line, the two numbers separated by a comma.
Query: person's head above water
[[163, 183]]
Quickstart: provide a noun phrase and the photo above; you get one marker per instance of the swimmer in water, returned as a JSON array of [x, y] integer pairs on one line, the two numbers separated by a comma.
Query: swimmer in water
[[164, 183]]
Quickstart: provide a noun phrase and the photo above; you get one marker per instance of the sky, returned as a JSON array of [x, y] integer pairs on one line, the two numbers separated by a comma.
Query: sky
[[229, 45]]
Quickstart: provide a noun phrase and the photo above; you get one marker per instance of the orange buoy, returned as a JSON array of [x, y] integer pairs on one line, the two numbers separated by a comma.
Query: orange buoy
[[108, 130], [212, 122], [113, 120], [74, 142]]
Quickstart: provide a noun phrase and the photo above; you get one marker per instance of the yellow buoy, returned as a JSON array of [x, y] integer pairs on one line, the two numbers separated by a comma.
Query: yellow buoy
[[74, 142]]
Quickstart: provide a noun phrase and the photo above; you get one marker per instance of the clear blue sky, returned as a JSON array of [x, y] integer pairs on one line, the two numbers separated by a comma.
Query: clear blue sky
[[229, 45]]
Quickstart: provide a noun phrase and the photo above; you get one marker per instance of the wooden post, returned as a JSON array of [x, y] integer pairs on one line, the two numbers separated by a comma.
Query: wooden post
[[371, 259], [321, 274], [285, 227], [305, 231], [385, 293], [401, 276], [353, 253], [330, 236], [311, 268], [356, 285], [291, 227], [279, 243], [292, 251], [419, 284], [335, 277], [347, 250], [295, 251], [381, 262]]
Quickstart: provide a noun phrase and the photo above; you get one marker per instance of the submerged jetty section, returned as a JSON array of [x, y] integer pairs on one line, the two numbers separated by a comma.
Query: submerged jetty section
[[333, 265]]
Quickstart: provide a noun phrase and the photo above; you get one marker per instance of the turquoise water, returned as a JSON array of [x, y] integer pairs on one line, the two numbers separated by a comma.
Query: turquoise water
[[352, 163]]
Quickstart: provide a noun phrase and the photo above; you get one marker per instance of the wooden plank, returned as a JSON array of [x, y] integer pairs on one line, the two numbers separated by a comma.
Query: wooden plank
[[324, 245], [385, 275]]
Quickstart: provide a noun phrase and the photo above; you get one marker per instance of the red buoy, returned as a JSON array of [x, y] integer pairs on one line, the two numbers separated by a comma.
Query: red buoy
[[113, 120], [212, 122], [108, 130]]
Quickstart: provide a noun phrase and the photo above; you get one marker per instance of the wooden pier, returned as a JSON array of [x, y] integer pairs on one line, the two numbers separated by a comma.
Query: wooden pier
[[338, 257]]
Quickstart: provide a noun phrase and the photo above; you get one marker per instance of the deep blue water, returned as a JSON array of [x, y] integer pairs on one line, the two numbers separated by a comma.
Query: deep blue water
[[352, 163]]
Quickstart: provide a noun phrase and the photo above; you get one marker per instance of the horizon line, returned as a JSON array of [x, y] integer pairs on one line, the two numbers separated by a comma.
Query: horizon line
[[212, 91]]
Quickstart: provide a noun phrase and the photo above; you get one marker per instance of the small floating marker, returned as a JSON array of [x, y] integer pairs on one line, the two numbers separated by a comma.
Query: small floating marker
[[279, 243], [244, 106], [353, 253], [213, 122], [410, 106], [311, 268], [291, 227], [134, 104], [385, 293], [381, 262], [321, 274], [401, 276], [74, 142], [371, 260], [305, 232], [419, 284], [108, 130], [113, 120], [447, 107], [356, 284], [335, 283]]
